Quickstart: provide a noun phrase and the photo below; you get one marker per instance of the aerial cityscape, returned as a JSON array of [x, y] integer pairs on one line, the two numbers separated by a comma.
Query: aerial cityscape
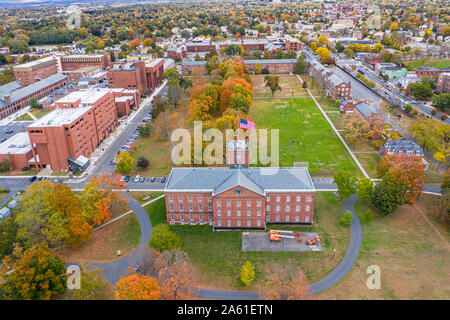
[[224, 150]]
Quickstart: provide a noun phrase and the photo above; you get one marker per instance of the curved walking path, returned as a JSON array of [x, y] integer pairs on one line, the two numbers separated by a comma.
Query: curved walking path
[[114, 270], [331, 279]]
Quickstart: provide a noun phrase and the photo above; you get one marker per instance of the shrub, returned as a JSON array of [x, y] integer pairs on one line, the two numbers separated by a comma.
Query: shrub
[[26, 168], [347, 218], [247, 273], [433, 112], [142, 163], [443, 117], [367, 216]]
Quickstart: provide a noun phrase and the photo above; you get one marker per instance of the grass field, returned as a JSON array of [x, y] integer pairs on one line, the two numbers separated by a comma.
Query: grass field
[[218, 258], [438, 63], [24, 117], [140, 195], [39, 113], [290, 87], [369, 162], [299, 119], [413, 259], [123, 234]]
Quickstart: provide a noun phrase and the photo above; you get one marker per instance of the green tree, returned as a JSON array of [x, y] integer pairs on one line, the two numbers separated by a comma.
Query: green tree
[[420, 91], [8, 235], [174, 92], [38, 274], [442, 102], [247, 273], [146, 130], [92, 285], [212, 64], [388, 195], [300, 64], [164, 239], [346, 183], [273, 82], [364, 188], [339, 47], [125, 162], [347, 218], [34, 104]]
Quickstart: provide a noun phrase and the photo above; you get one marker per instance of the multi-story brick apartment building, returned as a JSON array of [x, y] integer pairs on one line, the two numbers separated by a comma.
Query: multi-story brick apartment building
[[139, 75], [192, 67], [177, 52], [84, 72], [335, 86], [33, 71], [200, 45], [15, 98], [61, 134], [73, 62], [239, 197], [77, 125], [443, 84], [430, 72]]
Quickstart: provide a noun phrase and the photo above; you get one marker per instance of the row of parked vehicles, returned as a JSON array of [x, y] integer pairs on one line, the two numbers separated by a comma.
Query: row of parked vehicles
[[138, 179], [36, 178]]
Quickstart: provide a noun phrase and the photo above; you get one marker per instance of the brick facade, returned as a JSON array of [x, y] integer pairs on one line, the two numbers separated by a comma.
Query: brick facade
[[31, 72]]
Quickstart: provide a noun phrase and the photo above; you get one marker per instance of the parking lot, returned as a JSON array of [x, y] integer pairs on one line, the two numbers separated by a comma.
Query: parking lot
[[7, 131], [259, 241]]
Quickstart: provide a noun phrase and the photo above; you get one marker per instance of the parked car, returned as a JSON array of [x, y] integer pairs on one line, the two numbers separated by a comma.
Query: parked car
[[153, 179], [142, 179], [122, 178], [127, 178], [137, 178], [56, 181], [33, 178], [163, 179]]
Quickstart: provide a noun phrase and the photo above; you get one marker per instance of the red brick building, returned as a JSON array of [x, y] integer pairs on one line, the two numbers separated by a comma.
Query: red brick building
[[33, 71], [17, 149], [239, 198], [430, 72], [74, 62], [177, 52], [77, 125], [83, 72], [13, 100], [271, 65], [443, 84], [139, 75]]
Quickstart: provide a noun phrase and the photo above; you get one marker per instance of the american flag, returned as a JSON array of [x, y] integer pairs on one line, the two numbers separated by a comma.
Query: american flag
[[245, 124]]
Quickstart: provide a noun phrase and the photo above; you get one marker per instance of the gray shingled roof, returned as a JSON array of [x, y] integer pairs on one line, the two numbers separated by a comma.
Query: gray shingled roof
[[218, 180], [364, 109], [268, 61], [32, 88]]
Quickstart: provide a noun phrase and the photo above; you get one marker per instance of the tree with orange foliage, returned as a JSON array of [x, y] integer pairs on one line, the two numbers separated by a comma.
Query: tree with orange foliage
[[148, 42], [63, 201], [175, 276], [137, 287], [133, 44], [284, 282], [101, 196], [409, 167]]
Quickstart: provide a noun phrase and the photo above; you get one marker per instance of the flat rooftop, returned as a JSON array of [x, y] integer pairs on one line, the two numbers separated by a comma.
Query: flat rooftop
[[17, 144], [86, 96], [60, 117], [35, 63]]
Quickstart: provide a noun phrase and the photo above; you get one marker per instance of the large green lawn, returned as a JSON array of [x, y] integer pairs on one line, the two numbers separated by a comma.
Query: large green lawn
[[438, 63], [217, 255], [315, 142]]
